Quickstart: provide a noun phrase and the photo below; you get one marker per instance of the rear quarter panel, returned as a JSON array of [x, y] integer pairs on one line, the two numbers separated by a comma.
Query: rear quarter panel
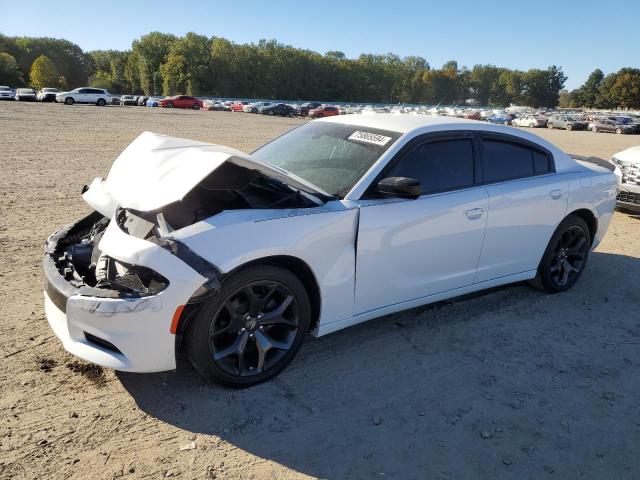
[[593, 188]]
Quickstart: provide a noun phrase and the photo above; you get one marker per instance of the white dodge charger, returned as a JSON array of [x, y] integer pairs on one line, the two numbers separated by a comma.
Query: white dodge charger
[[235, 258]]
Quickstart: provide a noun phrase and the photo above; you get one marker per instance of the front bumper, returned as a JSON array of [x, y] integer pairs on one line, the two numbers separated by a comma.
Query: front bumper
[[115, 330]]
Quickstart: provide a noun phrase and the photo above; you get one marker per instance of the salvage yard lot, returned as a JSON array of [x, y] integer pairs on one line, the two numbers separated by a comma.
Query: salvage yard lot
[[513, 383]]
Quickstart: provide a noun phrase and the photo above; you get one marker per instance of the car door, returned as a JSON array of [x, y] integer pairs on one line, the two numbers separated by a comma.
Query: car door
[[412, 248], [527, 200]]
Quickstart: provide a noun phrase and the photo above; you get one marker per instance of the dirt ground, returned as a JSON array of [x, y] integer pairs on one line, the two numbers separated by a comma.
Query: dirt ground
[[512, 383]]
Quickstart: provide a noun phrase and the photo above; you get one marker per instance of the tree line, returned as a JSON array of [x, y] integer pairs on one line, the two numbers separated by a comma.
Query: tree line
[[160, 63], [616, 90]]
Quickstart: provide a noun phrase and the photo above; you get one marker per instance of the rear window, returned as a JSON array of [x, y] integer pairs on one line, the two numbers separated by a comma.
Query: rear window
[[504, 161]]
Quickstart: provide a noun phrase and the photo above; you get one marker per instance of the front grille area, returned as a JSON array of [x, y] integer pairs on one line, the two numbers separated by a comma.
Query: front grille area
[[628, 197]]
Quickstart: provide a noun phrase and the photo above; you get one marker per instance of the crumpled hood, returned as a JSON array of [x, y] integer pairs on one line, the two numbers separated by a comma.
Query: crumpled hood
[[156, 170]]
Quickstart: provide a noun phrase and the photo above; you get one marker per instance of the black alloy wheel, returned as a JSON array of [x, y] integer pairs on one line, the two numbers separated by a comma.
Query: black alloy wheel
[[252, 329], [565, 257]]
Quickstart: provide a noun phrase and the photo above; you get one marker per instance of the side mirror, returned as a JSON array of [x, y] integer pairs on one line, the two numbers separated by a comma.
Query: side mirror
[[400, 187]]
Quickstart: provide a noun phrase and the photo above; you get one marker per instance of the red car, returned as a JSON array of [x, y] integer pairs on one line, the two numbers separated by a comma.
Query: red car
[[323, 111], [237, 106], [181, 101]]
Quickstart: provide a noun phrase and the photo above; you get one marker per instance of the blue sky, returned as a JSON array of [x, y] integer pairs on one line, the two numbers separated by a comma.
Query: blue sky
[[576, 35]]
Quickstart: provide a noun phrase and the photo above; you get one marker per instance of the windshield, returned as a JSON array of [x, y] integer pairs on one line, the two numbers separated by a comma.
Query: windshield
[[329, 155]]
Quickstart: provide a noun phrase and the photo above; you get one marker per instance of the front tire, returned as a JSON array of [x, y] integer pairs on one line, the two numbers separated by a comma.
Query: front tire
[[566, 256], [69, 101], [101, 102], [550, 126], [594, 129], [252, 329]]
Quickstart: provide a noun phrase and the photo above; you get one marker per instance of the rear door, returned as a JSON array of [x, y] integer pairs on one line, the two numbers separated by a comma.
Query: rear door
[[409, 249], [527, 200]]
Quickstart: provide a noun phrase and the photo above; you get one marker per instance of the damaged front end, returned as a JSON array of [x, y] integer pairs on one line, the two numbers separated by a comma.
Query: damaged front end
[[83, 269], [117, 281]]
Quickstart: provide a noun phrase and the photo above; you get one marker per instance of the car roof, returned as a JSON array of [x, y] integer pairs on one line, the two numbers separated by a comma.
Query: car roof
[[399, 123]]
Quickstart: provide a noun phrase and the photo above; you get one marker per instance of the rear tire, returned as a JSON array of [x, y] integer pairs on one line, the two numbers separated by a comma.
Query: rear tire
[[568, 128], [618, 131], [169, 104], [566, 256], [252, 329], [594, 129], [69, 101]]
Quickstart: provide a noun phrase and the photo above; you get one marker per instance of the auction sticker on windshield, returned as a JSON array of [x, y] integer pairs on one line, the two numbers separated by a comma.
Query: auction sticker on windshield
[[369, 137]]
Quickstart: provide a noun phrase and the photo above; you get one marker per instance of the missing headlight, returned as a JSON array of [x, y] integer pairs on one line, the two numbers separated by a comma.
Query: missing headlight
[[126, 278]]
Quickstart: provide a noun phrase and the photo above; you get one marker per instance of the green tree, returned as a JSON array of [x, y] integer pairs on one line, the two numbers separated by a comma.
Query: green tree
[[10, 73], [587, 94], [44, 73], [151, 50]]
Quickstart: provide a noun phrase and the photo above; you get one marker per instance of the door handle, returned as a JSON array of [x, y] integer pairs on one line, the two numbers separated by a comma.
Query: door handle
[[474, 213], [555, 194]]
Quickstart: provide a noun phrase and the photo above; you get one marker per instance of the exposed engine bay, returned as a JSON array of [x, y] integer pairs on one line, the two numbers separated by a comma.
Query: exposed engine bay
[[82, 264], [230, 187]]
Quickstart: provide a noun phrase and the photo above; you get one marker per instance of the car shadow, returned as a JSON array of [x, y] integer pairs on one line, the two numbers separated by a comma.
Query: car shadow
[[482, 386]]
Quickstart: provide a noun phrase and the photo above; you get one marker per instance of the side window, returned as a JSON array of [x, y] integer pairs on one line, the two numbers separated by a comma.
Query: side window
[[439, 165], [504, 161]]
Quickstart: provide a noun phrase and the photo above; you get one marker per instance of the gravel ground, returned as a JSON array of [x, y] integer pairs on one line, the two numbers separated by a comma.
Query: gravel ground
[[512, 383]]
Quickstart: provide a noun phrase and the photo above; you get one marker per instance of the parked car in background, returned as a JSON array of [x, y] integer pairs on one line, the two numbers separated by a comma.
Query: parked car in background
[[97, 96], [625, 120], [566, 122], [181, 101], [115, 100], [142, 100], [303, 110], [226, 106], [254, 107], [609, 126], [628, 163], [323, 111], [529, 121], [238, 257], [238, 106], [501, 119], [128, 100], [153, 101], [475, 115], [214, 105], [6, 93], [26, 95], [47, 95], [281, 109]]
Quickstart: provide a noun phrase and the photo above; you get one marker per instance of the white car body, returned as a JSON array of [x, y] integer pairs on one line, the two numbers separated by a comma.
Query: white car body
[[27, 94], [527, 121], [254, 106], [366, 255], [628, 167], [46, 93], [6, 93], [92, 95]]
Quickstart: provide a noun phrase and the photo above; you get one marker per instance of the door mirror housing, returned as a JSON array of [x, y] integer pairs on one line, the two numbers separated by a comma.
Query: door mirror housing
[[400, 187]]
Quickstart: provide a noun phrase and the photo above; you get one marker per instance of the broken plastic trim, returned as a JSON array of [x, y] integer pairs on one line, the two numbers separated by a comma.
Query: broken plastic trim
[[184, 253]]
